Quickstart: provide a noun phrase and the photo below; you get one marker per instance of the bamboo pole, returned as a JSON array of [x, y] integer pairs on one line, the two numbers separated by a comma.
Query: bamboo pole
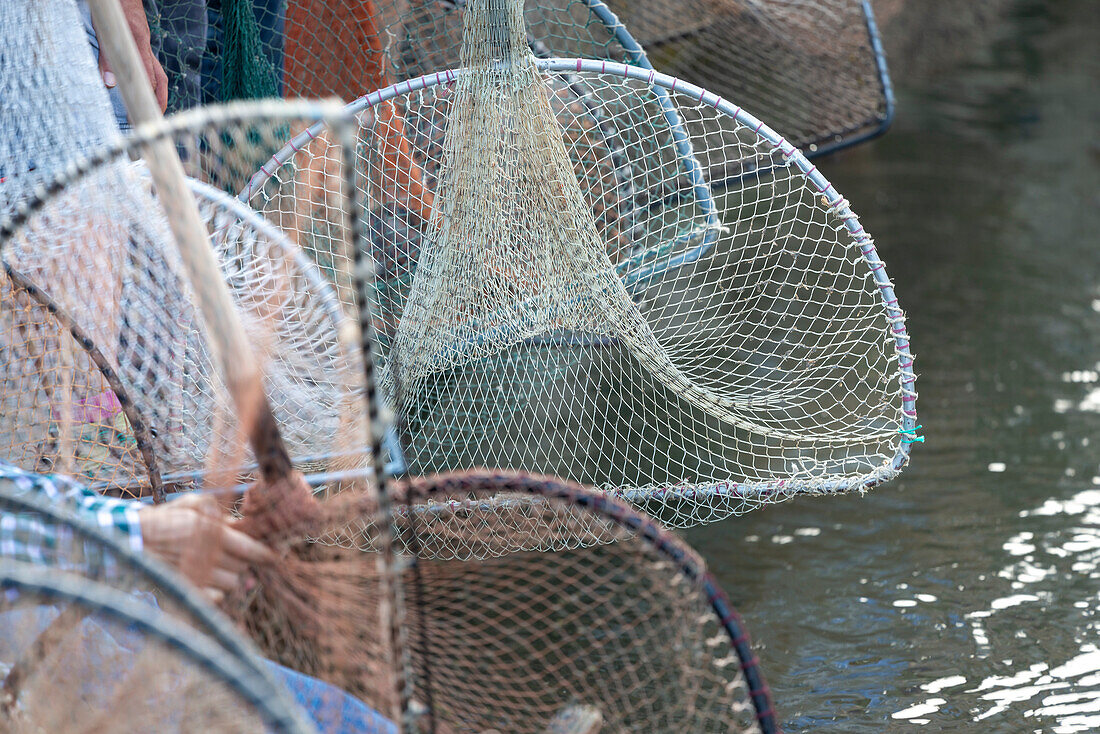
[[232, 350]]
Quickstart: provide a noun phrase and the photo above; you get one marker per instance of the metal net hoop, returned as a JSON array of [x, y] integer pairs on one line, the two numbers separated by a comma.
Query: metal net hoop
[[305, 337], [223, 695], [440, 506], [89, 576], [817, 69], [771, 185], [508, 621], [50, 362]]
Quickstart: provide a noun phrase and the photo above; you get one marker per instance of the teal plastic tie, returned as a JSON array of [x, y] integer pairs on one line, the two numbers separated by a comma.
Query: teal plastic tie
[[910, 435]]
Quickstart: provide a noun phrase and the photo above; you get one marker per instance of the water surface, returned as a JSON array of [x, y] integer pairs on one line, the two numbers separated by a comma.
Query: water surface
[[963, 596]]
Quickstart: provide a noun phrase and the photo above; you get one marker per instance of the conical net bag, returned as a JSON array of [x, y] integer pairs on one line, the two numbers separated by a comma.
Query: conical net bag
[[107, 371], [811, 68], [92, 634], [580, 302], [514, 253]]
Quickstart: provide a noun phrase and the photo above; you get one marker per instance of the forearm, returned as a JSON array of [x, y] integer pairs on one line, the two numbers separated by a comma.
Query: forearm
[[136, 18]]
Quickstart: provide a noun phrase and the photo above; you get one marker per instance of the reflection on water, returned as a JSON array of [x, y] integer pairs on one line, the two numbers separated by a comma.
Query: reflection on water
[[964, 596]]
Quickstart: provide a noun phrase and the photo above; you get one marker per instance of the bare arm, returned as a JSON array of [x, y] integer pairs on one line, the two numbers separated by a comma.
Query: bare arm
[[139, 28]]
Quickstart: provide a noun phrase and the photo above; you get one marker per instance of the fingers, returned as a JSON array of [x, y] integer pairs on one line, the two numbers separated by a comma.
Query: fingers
[[224, 580], [196, 536], [233, 564], [214, 596], [201, 503], [105, 67], [159, 81], [245, 547]]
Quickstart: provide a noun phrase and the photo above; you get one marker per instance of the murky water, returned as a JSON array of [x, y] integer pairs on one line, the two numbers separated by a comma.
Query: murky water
[[964, 596]]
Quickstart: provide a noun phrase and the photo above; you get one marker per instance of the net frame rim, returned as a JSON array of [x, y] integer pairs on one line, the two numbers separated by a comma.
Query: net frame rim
[[824, 144], [664, 542], [837, 205], [325, 113], [254, 688], [142, 432], [217, 628], [331, 112], [293, 252]]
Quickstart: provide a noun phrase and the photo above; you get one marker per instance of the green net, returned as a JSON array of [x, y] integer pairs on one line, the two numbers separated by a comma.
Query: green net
[[247, 71]]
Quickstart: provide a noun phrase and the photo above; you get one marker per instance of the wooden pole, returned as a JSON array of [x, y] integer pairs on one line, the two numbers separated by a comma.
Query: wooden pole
[[231, 347]]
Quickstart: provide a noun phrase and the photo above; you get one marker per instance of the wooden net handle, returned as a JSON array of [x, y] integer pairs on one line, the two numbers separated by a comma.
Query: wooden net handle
[[231, 347]]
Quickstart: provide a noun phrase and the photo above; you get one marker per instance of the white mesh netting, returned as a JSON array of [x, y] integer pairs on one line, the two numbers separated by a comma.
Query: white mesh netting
[[100, 258], [606, 626], [698, 353]]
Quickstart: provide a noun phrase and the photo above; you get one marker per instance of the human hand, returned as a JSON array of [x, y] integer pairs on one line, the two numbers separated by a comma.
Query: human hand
[[139, 29], [194, 534]]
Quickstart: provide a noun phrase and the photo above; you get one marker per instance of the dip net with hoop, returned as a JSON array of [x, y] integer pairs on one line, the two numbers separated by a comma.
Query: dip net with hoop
[[376, 576], [106, 369], [815, 70], [581, 302], [93, 635]]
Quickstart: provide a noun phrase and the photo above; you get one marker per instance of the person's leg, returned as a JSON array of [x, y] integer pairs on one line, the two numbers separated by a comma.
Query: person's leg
[[330, 708]]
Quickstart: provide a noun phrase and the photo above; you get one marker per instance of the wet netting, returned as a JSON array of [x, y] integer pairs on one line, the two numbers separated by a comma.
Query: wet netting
[[816, 70], [580, 302], [95, 637], [106, 369]]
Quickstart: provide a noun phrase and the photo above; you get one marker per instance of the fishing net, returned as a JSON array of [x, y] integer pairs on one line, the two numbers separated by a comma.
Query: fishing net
[[172, 681], [581, 303], [93, 635], [814, 69], [105, 368], [375, 579], [482, 601], [524, 602], [140, 367]]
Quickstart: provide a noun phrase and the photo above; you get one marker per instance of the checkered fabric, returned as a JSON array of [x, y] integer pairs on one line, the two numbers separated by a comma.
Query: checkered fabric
[[25, 537]]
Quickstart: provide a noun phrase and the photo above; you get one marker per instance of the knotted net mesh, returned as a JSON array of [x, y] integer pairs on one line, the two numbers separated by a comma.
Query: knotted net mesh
[[106, 370], [581, 302], [525, 603], [367, 596], [813, 69], [103, 680], [92, 635]]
